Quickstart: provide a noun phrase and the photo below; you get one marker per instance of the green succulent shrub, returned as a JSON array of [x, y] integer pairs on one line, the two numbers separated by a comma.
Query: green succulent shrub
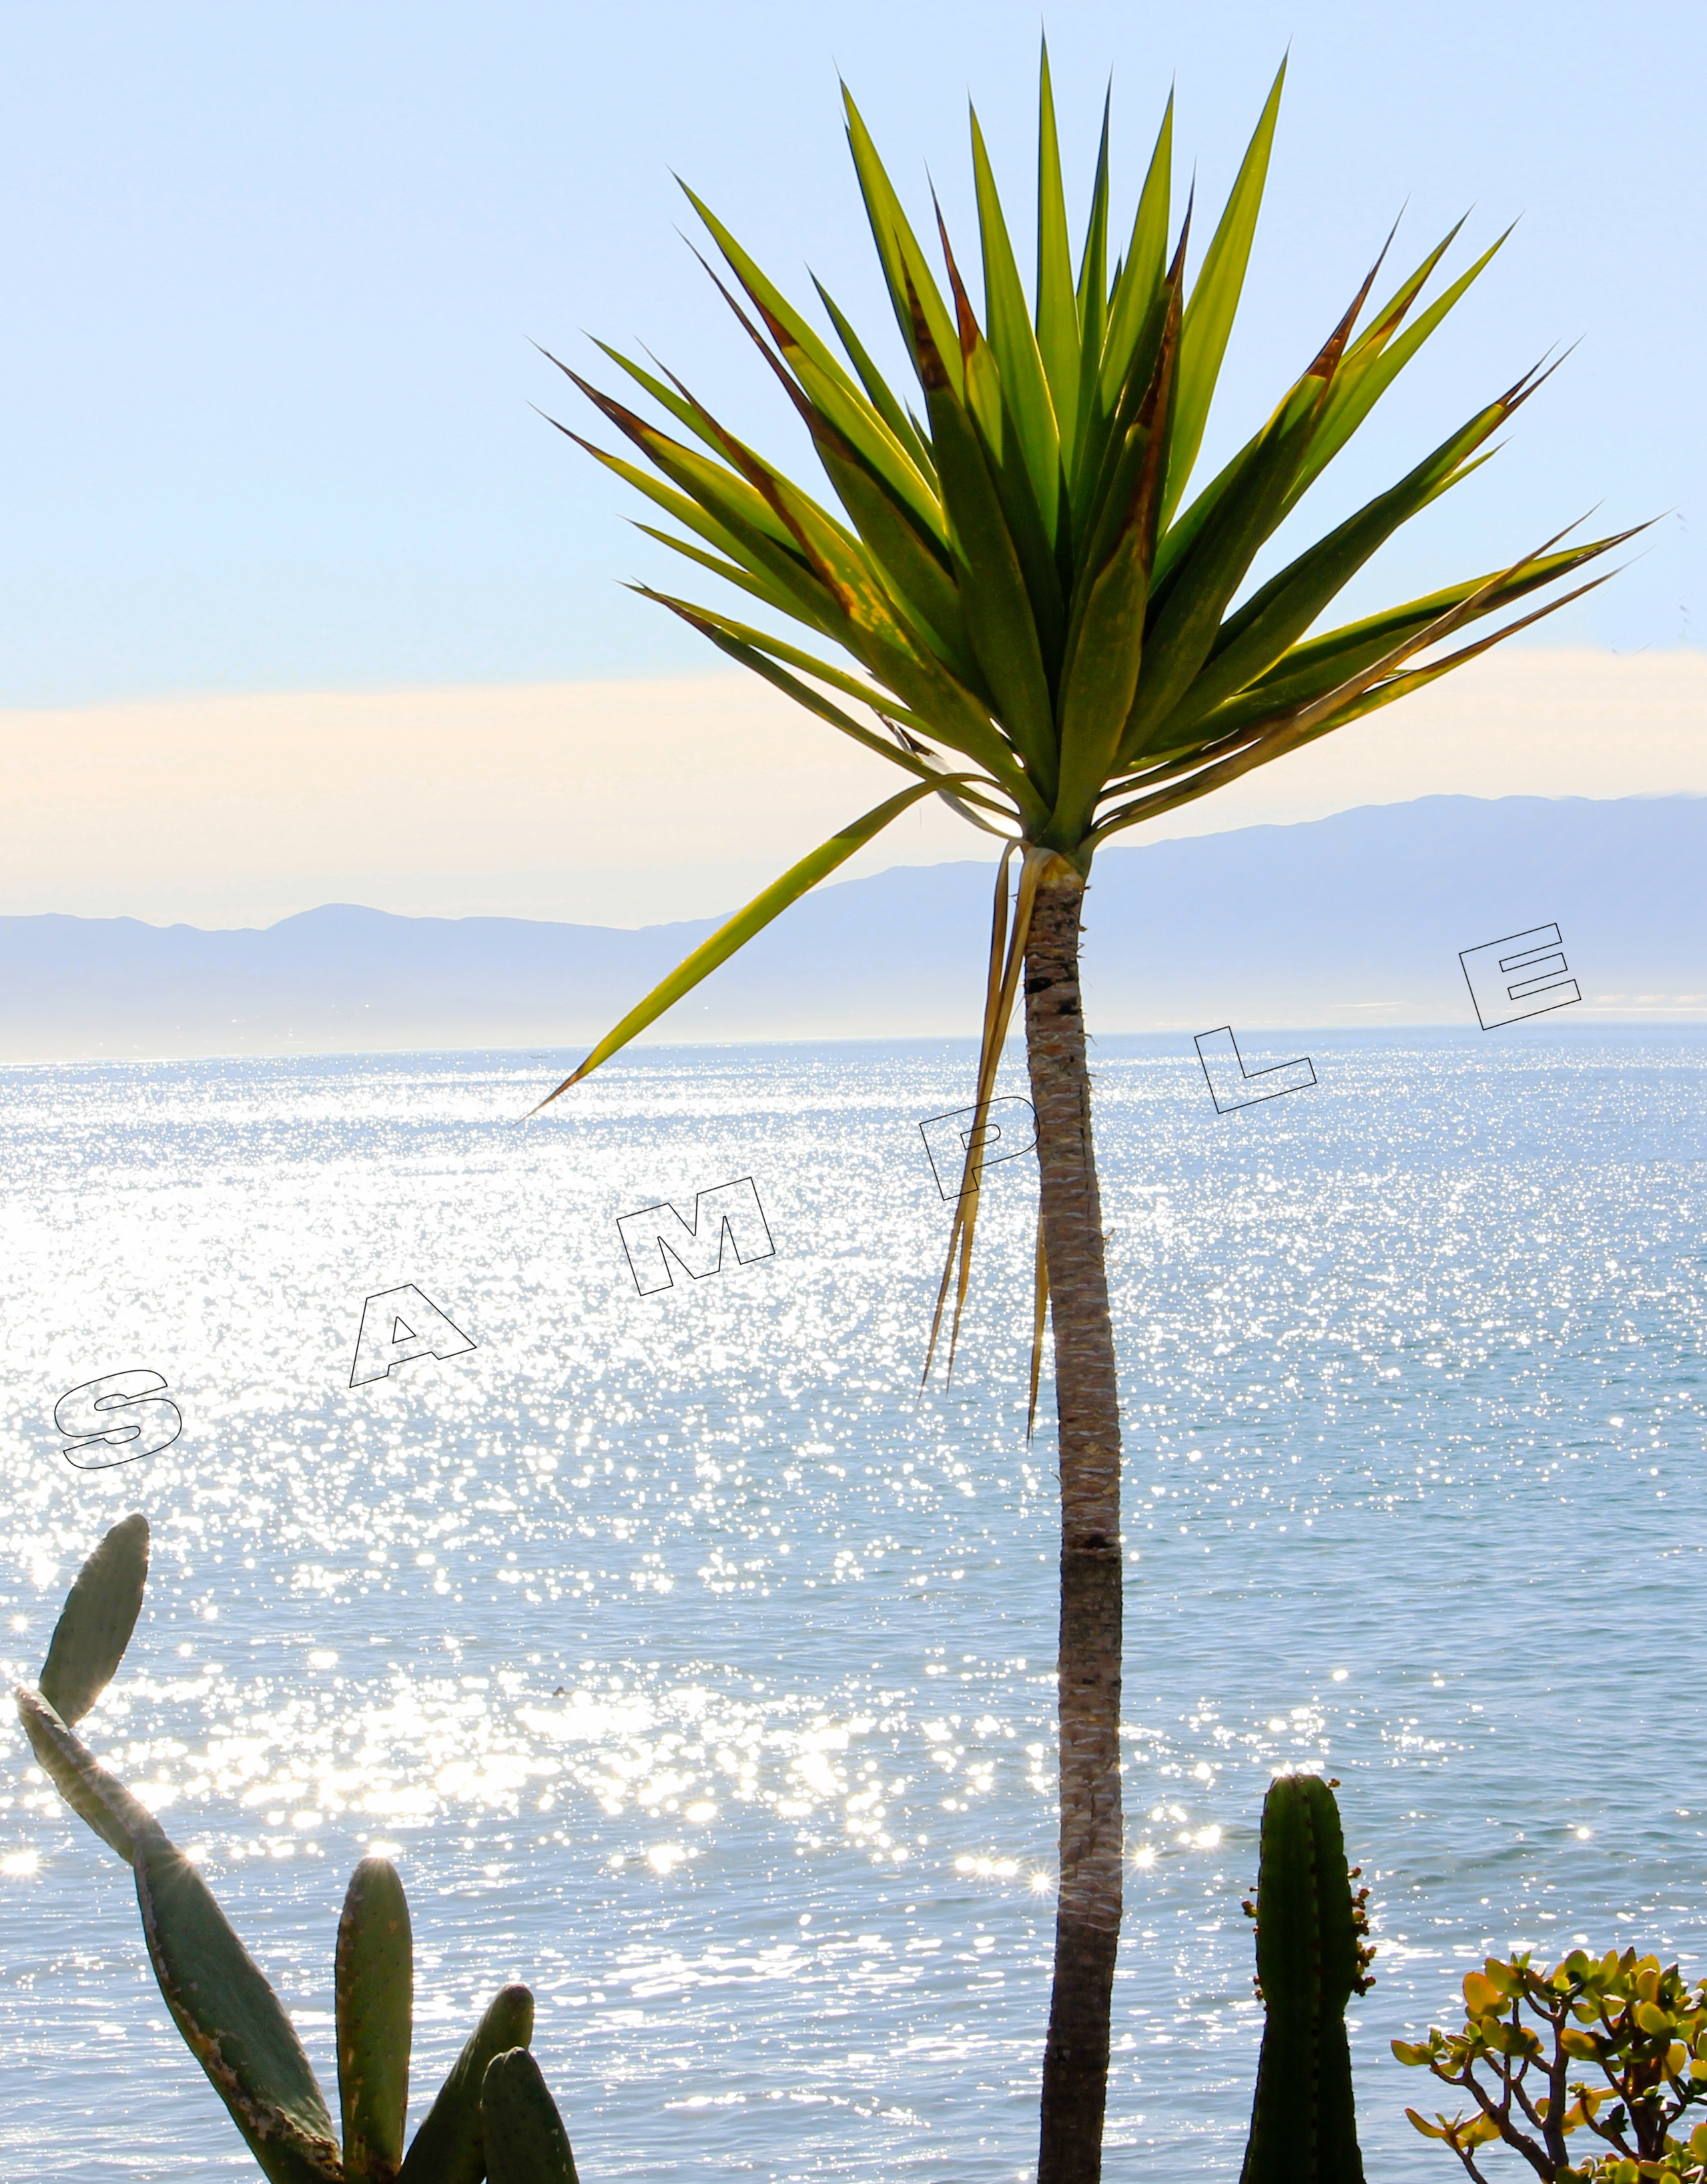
[[1614, 2046], [494, 2117]]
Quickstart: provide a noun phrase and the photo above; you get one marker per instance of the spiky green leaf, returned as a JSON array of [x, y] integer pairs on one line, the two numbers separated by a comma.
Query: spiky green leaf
[[1249, 643], [1000, 620], [915, 573], [741, 928], [1058, 308], [1310, 670], [1105, 659], [912, 288], [1376, 359], [1092, 295], [883, 398], [730, 571], [1138, 281], [1025, 388], [1378, 683], [1186, 610], [1214, 301], [828, 393], [762, 654]]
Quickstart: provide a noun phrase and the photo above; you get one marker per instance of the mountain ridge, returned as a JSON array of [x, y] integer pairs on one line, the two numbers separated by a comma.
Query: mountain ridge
[[1354, 919]]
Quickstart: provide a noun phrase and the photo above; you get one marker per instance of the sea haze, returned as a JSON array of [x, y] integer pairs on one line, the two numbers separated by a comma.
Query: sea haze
[[1355, 921], [696, 1667]]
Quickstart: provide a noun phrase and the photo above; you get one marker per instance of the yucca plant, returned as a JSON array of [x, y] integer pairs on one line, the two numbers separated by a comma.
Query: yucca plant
[[494, 2117], [1021, 597]]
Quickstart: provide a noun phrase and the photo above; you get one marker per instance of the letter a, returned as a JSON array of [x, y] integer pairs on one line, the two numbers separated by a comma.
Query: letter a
[[398, 1325]]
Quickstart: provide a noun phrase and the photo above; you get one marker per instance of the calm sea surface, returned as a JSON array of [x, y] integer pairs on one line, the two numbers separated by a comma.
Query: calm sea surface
[[697, 1668]]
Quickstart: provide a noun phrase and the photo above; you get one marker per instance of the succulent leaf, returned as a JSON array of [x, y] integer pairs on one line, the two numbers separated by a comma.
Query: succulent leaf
[[450, 2146], [374, 1990], [96, 1622], [231, 2020], [526, 2142], [97, 1798]]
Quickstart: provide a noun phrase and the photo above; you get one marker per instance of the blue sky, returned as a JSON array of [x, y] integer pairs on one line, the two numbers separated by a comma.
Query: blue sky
[[272, 274]]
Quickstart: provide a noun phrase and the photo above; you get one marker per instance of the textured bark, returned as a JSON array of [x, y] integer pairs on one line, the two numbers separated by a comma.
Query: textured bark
[[1088, 1915]]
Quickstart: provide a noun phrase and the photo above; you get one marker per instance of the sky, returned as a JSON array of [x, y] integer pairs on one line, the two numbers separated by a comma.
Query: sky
[[275, 276], [272, 274], [586, 801]]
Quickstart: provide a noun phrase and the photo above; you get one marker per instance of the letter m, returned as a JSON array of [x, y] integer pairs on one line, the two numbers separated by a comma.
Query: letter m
[[658, 1234]]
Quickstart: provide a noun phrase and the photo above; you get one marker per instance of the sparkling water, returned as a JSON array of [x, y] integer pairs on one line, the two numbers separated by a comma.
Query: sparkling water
[[696, 1666]]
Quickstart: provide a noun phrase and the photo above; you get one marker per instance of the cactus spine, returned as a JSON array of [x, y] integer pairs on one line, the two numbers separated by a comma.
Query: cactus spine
[[1311, 1958]]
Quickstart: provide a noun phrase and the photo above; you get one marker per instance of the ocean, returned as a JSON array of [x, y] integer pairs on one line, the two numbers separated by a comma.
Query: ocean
[[694, 1664]]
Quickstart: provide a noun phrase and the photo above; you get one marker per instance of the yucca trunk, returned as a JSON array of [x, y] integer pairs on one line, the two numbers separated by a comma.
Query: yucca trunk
[[1087, 1913]]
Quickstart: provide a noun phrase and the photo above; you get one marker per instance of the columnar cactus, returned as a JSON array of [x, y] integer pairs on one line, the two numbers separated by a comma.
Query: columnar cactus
[[494, 2117], [1312, 1956]]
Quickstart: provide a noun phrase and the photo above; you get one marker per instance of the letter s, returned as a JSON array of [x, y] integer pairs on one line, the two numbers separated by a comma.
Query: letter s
[[85, 1416]]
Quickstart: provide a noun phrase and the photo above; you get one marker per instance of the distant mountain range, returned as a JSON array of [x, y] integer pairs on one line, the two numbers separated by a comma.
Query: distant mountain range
[[1355, 920]]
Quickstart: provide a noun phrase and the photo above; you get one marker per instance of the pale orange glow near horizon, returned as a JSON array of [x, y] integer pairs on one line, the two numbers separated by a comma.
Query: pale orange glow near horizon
[[637, 802]]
